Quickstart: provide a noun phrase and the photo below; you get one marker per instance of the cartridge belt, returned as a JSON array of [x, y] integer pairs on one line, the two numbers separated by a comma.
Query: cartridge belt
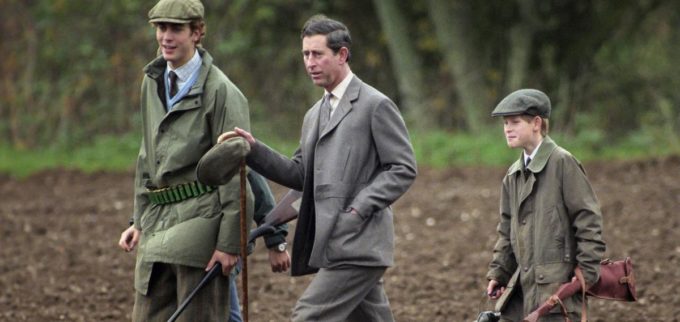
[[178, 193]]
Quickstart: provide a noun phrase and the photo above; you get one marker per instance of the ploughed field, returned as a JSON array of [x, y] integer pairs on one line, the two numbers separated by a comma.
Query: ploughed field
[[59, 260]]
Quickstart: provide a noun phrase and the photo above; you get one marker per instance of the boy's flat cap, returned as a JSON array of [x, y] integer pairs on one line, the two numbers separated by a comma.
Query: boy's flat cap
[[524, 101], [176, 11], [222, 161]]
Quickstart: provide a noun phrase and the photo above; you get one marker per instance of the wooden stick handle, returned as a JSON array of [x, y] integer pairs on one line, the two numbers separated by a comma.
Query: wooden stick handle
[[244, 242]]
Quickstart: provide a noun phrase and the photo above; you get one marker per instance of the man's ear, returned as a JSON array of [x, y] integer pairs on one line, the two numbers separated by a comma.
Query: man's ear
[[344, 54]]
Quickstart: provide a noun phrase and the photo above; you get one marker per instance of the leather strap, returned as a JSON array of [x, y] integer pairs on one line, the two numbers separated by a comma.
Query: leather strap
[[579, 276], [554, 300]]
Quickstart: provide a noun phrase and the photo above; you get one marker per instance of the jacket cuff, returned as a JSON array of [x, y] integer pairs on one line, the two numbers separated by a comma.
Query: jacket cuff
[[274, 240], [230, 249], [499, 276]]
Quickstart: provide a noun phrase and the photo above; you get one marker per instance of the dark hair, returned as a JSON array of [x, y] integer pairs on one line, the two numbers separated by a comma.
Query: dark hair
[[337, 34], [199, 25]]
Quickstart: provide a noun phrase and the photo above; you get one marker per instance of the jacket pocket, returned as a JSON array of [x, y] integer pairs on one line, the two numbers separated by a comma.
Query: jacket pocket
[[337, 190], [347, 225], [191, 242], [206, 205], [344, 243], [549, 277], [551, 237]]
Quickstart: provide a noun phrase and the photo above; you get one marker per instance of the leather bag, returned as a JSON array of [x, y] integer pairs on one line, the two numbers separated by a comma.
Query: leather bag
[[617, 281]]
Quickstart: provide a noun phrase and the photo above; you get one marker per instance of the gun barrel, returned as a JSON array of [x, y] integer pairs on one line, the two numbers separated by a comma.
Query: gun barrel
[[217, 269]]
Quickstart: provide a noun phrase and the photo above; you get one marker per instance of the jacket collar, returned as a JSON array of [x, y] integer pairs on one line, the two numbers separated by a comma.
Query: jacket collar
[[345, 104], [539, 161], [156, 69]]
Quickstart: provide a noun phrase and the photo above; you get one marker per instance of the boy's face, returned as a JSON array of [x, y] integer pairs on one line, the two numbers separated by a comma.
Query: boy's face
[[177, 42], [520, 133]]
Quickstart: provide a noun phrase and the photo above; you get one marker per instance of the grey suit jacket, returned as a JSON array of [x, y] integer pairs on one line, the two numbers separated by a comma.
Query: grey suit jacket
[[363, 160]]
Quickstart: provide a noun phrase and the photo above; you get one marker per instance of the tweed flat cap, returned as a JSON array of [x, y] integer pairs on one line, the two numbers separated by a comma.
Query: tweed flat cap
[[222, 161], [524, 101], [176, 11]]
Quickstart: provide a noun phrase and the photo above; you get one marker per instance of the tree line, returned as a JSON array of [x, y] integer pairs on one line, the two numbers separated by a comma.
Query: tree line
[[71, 68]]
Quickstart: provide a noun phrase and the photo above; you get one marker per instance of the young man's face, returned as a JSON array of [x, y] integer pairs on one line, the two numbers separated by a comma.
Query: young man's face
[[177, 42], [325, 68], [520, 133]]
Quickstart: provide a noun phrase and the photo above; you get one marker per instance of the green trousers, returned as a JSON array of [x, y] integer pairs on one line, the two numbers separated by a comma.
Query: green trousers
[[170, 284]]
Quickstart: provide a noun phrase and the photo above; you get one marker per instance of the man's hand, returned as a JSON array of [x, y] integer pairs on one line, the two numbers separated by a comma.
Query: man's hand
[[237, 132], [494, 290], [280, 261], [227, 260], [129, 238]]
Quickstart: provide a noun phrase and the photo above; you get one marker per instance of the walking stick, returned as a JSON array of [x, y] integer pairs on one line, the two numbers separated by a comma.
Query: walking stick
[[244, 242]]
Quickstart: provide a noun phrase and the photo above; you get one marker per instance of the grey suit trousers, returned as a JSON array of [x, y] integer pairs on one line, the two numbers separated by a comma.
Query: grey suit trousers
[[347, 293]]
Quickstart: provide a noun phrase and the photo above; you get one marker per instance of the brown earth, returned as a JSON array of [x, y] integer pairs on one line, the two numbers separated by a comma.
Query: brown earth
[[59, 260]]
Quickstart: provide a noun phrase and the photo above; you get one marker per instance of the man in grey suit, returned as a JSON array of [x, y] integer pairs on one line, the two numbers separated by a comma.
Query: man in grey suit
[[354, 160]]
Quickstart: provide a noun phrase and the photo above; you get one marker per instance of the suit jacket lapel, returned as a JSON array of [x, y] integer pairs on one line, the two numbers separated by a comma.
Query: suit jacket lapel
[[312, 134], [344, 106], [305, 232]]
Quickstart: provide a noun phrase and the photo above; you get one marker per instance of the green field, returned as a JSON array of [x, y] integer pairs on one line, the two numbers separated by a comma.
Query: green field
[[433, 149]]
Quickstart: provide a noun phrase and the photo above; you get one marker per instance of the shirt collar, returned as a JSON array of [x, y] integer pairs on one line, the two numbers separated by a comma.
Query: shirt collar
[[533, 154], [539, 160], [340, 90], [185, 71]]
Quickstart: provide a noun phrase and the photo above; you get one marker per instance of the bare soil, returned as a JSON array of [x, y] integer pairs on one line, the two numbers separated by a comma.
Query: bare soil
[[59, 260]]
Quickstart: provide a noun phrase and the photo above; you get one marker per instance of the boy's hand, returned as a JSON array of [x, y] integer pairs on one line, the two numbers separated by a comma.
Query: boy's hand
[[494, 290], [227, 260], [129, 238]]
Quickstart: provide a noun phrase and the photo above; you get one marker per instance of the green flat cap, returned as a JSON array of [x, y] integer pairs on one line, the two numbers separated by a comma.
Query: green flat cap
[[524, 101], [222, 161], [176, 11]]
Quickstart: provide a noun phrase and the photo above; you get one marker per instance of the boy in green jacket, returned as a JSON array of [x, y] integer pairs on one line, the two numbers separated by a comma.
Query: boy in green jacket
[[550, 219]]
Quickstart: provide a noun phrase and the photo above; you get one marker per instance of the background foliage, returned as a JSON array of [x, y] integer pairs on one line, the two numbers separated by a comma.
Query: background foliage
[[71, 69]]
